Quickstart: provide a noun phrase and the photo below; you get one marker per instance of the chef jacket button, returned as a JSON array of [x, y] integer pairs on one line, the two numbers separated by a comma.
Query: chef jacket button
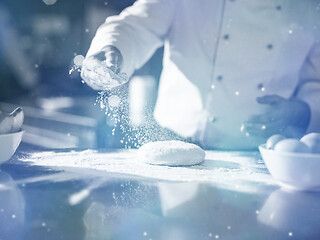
[[278, 7], [212, 119], [219, 78], [261, 87], [226, 37], [269, 46]]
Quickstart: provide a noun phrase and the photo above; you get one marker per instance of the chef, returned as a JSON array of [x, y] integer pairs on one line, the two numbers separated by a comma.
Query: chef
[[234, 71]]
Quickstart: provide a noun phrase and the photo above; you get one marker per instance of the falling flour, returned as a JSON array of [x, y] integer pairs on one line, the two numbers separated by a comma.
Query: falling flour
[[171, 153], [116, 107], [114, 102]]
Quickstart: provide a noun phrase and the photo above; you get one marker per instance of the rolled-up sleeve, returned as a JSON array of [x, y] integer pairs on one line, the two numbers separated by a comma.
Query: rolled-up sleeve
[[137, 32], [309, 89]]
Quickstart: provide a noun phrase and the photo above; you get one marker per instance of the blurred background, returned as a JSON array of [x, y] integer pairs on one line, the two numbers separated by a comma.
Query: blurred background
[[38, 42]]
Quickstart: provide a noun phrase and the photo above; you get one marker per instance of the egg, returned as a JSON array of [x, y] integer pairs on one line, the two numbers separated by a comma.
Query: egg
[[18, 118], [11, 122], [273, 140], [291, 145], [312, 140]]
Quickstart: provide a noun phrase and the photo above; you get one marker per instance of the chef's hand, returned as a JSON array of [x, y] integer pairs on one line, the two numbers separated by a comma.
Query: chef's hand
[[282, 113], [102, 70]]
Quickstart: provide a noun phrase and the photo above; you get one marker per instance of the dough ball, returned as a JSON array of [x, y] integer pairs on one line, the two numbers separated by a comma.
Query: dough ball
[[273, 140], [171, 153], [312, 140], [291, 145]]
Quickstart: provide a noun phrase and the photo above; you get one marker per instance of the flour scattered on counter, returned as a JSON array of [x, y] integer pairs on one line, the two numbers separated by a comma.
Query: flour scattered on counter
[[243, 172]]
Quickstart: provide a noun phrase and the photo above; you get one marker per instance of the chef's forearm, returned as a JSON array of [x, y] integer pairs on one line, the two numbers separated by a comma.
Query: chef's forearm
[[137, 32]]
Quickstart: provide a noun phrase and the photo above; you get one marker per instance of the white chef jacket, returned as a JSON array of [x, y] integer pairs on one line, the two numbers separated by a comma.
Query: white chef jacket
[[219, 56]]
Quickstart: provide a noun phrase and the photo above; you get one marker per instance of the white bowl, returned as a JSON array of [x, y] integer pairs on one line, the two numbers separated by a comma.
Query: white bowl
[[298, 171], [9, 144]]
